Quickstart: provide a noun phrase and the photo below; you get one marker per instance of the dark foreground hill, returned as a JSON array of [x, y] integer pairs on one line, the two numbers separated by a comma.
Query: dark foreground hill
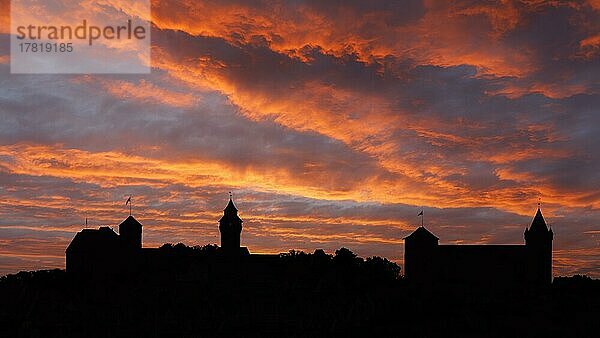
[[296, 294]]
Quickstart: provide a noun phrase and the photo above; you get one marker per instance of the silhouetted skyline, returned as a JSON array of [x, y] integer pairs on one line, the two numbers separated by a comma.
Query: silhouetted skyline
[[112, 282], [333, 123], [258, 293], [102, 254]]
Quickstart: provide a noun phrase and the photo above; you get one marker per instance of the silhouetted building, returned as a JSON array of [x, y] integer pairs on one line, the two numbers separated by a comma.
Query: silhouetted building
[[130, 233], [101, 253], [427, 262], [93, 251], [230, 227]]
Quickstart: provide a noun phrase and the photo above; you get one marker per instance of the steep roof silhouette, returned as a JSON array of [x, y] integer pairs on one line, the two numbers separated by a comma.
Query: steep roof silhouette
[[93, 239], [130, 221], [421, 234], [230, 212], [538, 223], [230, 206]]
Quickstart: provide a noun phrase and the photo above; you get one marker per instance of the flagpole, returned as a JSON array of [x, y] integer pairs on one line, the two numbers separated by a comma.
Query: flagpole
[[129, 202]]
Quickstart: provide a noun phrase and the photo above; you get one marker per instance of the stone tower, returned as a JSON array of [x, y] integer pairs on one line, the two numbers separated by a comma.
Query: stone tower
[[230, 226], [130, 233], [420, 255], [538, 240]]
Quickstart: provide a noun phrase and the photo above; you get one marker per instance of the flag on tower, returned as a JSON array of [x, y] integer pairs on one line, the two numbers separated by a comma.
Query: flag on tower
[[420, 214]]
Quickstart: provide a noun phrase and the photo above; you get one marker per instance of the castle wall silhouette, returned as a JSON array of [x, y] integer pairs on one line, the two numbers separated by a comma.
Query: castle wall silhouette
[[102, 253], [427, 262]]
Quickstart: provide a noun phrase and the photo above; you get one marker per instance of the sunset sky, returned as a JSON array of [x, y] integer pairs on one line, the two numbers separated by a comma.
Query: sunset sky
[[332, 122]]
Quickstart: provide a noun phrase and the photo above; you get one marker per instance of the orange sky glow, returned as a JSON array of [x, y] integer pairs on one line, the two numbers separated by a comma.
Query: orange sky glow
[[333, 123]]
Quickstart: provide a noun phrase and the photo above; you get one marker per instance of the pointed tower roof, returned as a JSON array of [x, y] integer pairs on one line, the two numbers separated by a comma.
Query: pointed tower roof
[[230, 206], [130, 221], [538, 223], [230, 212], [421, 234]]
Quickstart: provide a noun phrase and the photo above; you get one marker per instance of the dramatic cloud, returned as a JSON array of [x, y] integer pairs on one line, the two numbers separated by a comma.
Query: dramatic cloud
[[332, 122]]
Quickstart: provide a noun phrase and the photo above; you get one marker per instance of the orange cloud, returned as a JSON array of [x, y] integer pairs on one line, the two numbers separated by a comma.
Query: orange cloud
[[448, 106], [4, 16], [145, 91]]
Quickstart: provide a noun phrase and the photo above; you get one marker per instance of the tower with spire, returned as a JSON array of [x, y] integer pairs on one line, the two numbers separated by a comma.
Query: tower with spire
[[230, 227], [538, 240], [426, 262]]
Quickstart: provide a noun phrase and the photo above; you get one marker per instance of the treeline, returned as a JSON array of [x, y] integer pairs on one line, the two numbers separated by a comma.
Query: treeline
[[376, 268]]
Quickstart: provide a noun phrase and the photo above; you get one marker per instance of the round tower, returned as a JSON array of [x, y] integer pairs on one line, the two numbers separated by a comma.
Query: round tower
[[230, 226]]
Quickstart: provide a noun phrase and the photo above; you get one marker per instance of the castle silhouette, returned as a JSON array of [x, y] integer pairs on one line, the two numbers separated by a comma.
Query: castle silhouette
[[113, 287], [102, 253], [427, 262]]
